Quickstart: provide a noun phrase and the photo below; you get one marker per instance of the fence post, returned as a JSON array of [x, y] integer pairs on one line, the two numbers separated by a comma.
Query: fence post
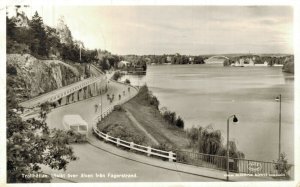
[[106, 137], [170, 156], [148, 151], [131, 145], [118, 141]]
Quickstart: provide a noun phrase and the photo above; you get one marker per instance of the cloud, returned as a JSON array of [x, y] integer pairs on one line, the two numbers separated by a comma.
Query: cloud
[[183, 29]]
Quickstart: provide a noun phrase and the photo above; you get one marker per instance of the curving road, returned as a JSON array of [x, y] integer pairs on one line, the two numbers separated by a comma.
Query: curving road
[[94, 161]]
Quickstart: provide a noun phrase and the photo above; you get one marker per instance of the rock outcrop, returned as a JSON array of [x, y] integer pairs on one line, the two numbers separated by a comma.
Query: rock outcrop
[[35, 77]]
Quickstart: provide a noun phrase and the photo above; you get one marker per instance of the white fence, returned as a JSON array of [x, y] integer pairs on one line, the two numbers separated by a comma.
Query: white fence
[[131, 145]]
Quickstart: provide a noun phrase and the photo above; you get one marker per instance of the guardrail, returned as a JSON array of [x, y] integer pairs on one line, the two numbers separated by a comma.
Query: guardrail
[[131, 145], [236, 165], [60, 92]]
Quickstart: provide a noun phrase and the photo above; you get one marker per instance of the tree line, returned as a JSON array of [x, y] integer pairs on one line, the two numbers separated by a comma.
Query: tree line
[[271, 60], [44, 42], [163, 59]]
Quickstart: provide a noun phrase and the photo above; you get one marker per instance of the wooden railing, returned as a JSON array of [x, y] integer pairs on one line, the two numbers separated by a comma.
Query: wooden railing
[[131, 145]]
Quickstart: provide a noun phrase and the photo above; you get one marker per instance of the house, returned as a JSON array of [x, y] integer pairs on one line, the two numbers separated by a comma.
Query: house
[[169, 58], [191, 60], [123, 64]]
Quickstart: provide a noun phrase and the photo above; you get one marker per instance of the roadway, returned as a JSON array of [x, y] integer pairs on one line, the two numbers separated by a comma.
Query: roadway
[[93, 159]]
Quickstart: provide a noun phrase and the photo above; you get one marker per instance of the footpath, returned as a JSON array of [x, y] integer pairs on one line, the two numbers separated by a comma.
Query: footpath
[[138, 125]]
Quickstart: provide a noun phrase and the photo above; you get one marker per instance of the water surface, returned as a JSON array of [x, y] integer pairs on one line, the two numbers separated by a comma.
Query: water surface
[[208, 94]]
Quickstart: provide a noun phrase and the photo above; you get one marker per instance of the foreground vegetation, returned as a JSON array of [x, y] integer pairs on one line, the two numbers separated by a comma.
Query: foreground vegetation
[[30, 144]]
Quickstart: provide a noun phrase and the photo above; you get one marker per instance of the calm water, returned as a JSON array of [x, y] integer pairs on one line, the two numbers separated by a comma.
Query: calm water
[[208, 94]]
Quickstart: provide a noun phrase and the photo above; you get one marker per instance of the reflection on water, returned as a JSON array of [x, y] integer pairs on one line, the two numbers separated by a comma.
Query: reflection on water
[[208, 94], [288, 78]]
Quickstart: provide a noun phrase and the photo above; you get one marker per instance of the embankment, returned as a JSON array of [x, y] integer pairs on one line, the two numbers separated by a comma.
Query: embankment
[[149, 117]]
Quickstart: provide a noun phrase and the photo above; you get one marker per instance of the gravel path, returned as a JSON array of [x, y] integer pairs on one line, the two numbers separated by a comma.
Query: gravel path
[[137, 124]]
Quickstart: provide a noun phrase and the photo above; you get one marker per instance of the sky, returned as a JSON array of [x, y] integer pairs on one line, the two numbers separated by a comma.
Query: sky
[[190, 30]]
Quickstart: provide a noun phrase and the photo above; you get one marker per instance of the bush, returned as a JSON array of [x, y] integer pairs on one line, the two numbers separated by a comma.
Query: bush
[[154, 101], [11, 70], [120, 131], [116, 75], [76, 137], [127, 81], [15, 47], [181, 157], [209, 141], [170, 117], [46, 106], [164, 147], [179, 122], [282, 165]]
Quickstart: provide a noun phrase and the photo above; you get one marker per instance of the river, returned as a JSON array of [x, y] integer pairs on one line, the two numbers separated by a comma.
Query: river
[[207, 94]]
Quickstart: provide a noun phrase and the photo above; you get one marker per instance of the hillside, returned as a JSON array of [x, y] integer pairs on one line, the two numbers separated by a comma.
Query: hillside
[[30, 77]]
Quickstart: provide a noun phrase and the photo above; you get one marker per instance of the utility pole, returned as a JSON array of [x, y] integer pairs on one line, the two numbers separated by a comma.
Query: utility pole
[[279, 143], [79, 52]]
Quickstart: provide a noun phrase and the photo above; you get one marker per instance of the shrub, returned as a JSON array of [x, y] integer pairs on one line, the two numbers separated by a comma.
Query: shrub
[[163, 146], [181, 157], [11, 70], [154, 101], [179, 122], [15, 47], [170, 117], [46, 106], [116, 75], [127, 81], [120, 131], [209, 141], [76, 137], [282, 165]]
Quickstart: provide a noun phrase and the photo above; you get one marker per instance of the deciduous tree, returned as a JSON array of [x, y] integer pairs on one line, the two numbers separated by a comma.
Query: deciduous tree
[[31, 144]]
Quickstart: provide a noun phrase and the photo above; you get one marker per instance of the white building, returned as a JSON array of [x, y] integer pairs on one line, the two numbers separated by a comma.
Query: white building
[[123, 63]]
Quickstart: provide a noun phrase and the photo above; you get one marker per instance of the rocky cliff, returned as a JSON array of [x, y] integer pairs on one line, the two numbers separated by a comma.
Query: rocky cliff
[[34, 76]]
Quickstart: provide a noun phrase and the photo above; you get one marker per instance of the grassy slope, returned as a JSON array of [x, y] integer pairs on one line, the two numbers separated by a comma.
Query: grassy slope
[[120, 117], [151, 119]]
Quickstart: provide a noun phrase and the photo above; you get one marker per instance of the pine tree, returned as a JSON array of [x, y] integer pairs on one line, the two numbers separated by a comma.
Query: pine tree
[[39, 43]]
